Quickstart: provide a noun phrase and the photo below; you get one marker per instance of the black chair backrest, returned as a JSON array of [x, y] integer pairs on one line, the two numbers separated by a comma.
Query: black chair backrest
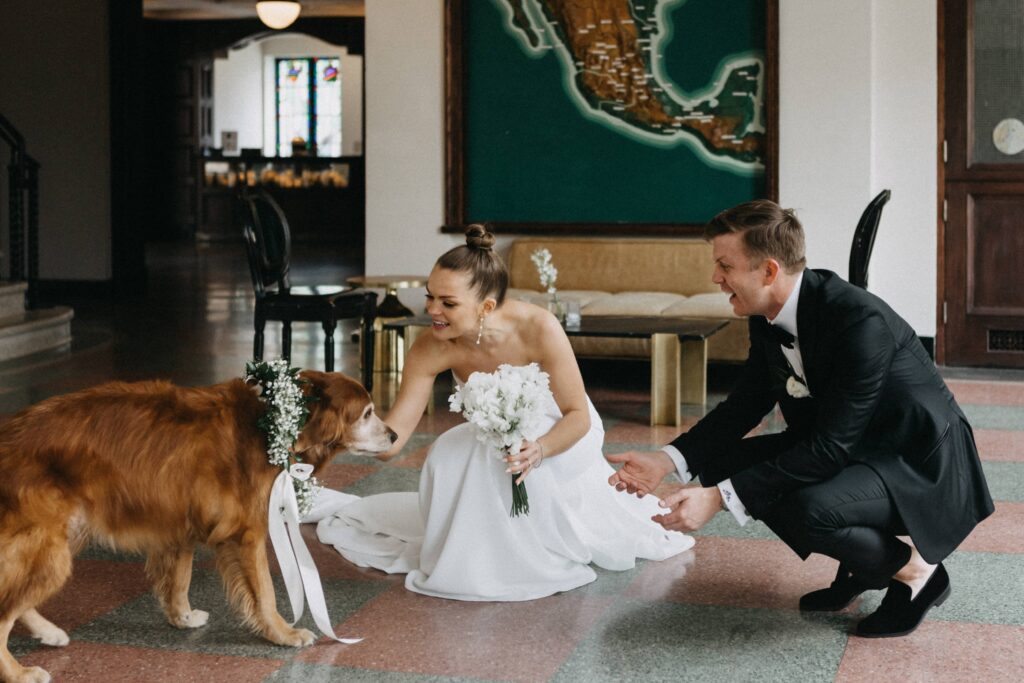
[[864, 239], [268, 242]]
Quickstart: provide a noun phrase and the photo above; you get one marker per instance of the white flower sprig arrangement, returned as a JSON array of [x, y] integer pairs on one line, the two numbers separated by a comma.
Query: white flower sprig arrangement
[[545, 269], [286, 414], [506, 407]]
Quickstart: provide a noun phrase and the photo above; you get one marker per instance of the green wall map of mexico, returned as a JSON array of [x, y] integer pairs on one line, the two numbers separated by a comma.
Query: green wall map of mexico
[[613, 111]]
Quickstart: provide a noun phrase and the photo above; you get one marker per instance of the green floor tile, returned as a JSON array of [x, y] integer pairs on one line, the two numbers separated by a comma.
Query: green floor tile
[[662, 642], [1005, 480], [141, 623], [386, 480], [724, 524], [22, 645], [995, 417], [988, 588], [299, 672]]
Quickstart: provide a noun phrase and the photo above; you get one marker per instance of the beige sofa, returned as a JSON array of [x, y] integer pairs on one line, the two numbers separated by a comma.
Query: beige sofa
[[631, 276]]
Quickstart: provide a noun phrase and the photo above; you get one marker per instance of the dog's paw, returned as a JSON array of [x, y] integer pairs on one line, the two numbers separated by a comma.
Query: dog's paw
[[193, 619], [296, 637], [54, 637], [32, 674]]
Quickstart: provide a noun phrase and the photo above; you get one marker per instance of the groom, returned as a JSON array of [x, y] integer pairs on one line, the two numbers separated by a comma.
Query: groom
[[875, 445]]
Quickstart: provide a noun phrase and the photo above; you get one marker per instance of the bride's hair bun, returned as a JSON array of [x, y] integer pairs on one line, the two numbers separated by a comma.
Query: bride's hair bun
[[477, 237]]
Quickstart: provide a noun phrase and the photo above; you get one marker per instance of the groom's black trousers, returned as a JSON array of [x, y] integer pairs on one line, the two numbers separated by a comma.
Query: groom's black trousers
[[849, 517]]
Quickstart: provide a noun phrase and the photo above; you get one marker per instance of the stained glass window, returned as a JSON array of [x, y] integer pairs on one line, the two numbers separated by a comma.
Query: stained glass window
[[309, 106]]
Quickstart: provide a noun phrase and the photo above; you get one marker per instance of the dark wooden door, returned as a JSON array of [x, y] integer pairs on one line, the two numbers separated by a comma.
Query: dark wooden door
[[193, 117], [982, 315]]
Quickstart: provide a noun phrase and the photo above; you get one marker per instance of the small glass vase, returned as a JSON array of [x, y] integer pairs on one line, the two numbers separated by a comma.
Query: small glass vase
[[556, 307]]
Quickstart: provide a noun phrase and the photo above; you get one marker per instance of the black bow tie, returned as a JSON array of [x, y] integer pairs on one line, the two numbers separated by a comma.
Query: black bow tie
[[781, 336]]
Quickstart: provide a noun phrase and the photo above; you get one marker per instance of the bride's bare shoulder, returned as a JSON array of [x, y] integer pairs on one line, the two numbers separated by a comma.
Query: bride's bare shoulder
[[431, 354], [532, 320]]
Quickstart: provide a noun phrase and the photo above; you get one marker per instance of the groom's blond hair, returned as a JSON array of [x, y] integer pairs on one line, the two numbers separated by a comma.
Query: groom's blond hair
[[768, 231]]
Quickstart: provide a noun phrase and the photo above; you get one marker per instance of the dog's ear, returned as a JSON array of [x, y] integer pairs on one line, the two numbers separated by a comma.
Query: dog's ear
[[340, 404], [317, 436]]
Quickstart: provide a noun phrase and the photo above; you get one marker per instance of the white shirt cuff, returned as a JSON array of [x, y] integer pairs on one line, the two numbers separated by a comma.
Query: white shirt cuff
[[679, 461], [733, 502]]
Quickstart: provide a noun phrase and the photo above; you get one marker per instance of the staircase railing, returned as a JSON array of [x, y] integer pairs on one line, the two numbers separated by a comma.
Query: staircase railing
[[23, 211]]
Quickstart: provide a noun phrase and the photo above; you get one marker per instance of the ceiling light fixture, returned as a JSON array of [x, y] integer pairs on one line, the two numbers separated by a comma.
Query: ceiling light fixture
[[278, 14]]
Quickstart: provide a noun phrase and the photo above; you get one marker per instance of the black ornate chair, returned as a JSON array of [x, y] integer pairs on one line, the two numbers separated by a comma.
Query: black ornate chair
[[864, 239], [268, 245]]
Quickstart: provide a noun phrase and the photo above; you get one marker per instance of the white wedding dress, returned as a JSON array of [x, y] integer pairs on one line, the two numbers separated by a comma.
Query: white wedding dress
[[455, 538]]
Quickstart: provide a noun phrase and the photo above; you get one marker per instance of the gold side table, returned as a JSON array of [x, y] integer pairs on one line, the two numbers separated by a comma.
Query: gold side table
[[389, 354]]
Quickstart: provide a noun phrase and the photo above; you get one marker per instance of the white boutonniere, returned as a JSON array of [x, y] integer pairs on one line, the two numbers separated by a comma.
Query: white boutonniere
[[796, 387]]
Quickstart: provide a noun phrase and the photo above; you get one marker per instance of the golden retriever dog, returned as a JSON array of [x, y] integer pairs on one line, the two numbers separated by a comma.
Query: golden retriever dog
[[153, 468]]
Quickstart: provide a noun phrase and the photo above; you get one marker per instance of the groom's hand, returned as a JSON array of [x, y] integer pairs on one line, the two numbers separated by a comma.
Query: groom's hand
[[691, 507], [641, 471]]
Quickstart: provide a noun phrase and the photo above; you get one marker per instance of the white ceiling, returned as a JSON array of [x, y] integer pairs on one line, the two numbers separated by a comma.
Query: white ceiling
[[243, 9]]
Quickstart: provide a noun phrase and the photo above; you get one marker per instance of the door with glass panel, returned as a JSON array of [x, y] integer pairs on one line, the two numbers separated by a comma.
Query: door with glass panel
[[982, 265]]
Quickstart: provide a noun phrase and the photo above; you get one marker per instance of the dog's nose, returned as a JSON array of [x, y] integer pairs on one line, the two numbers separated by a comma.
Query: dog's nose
[[392, 435]]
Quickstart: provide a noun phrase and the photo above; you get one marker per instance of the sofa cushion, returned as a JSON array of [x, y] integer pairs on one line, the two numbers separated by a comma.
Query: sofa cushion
[[633, 303], [710, 305]]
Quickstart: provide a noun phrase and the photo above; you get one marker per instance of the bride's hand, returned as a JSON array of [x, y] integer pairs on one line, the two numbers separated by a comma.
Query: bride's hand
[[641, 471], [523, 462]]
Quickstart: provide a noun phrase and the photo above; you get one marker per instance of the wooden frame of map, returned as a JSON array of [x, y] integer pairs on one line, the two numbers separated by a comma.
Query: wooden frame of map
[[637, 117]]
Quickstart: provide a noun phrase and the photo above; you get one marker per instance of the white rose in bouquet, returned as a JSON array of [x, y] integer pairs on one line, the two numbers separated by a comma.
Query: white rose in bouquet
[[506, 407]]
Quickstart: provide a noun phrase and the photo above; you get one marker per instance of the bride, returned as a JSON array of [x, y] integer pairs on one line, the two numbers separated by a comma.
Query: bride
[[455, 538]]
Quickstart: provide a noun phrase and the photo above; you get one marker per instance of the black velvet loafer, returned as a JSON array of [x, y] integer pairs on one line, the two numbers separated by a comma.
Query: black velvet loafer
[[898, 615], [844, 590]]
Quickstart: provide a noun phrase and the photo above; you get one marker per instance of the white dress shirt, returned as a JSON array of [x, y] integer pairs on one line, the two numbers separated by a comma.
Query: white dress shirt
[[786, 319]]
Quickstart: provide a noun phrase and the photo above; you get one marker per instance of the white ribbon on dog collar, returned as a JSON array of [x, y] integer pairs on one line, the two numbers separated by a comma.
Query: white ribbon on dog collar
[[297, 566]]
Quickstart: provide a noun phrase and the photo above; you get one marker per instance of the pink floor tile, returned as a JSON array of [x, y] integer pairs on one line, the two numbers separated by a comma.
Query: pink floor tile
[[1000, 444], [405, 631], [937, 652], [329, 562], [987, 393], [717, 571], [338, 476], [641, 432], [1000, 533], [630, 395], [90, 662], [95, 588], [441, 421], [415, 459]]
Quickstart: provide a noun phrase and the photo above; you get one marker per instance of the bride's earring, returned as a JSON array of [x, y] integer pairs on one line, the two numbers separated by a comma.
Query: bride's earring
[[480, 333]]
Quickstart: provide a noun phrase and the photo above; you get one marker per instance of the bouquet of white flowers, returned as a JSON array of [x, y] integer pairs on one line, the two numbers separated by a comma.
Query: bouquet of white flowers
[[506, 407]]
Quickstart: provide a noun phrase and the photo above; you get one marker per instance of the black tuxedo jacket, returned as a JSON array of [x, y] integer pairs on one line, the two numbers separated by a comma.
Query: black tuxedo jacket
[[876, 398]]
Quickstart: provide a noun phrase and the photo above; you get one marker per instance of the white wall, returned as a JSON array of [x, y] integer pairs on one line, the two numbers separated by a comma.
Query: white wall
[[238, 96], [904, 158], [825, 121], [857, 114], [243, 87], [404, 136], [56, 91]]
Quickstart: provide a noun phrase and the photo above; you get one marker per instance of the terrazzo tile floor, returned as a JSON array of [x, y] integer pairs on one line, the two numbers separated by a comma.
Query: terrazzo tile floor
[[723, 611]]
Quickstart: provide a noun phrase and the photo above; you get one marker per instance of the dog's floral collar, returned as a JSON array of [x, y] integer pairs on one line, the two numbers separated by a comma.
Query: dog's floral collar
[[286, 414]]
